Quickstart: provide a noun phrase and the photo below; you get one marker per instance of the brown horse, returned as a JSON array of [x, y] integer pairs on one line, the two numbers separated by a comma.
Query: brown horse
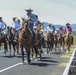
[[60, 42], [55, 41], [25, 40], [39, 42], [11, 40], [67, 41], [50, 42], [3, 39]]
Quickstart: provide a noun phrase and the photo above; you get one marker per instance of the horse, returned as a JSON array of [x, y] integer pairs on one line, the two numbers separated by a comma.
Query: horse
[[3, 39], [55, 45], [67, 41], [60, 42], [50, 42], [25, 39], [38, 45], [11, 40], [39, 39]]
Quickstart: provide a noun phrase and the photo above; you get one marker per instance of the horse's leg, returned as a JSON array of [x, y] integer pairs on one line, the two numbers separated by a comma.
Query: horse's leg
[[28, 55], [59, 47], [55, 44], [17, 48], [69, 48], [5, 47], [32, 52], [36, 50], [51, 47], [63, 46], [47, 46], [40, 50], [10, 47], [13, 48], [0, 46], [22, 55]]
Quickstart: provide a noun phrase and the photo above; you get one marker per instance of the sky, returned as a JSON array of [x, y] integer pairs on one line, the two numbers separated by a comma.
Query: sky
[[51, 11]]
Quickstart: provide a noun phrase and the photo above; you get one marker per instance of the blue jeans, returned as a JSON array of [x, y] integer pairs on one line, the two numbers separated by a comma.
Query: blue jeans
[[16, 33], [34, 37]]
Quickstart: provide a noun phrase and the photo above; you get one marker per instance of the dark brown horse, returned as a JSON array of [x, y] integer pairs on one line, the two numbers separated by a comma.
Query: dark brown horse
[[25, 40], [50, 42], [3, 39], [11, 40], [60, 42]]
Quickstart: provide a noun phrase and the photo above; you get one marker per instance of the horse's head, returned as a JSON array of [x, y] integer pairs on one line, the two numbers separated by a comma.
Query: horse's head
[[25, 24], [39, 27]]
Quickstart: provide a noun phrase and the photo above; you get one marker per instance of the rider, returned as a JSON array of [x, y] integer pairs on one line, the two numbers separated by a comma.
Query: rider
[[32, 18], [61, 31], [36, 22], [50, 28], [3, 26], [31, 15], [16, 26], [68, 29]]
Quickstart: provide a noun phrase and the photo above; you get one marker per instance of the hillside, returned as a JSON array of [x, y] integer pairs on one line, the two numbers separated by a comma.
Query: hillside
[[74, 33], [73, 27]]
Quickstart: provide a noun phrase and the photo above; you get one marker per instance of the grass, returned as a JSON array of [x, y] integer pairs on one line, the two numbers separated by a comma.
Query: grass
[[68, 56], [75, 40]]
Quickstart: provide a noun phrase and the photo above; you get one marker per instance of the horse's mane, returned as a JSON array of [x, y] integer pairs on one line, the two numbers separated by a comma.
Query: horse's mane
[[38, 27]]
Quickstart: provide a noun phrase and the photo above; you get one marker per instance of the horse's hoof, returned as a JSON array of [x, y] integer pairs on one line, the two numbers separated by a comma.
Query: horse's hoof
[[67, 52], [13, 55], [29, 62], [36, 59], [23, 63]]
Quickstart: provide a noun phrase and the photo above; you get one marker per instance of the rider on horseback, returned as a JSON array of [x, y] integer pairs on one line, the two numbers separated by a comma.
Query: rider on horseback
[[3, 26], [16, 26], [32, 22], [68, 29], [50, 29], [61, 32]]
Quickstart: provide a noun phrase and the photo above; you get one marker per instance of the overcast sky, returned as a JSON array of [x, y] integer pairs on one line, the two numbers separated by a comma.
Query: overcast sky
[[52, 11]]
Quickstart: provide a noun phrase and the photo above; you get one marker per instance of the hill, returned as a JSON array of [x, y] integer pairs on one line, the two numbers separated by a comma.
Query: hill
[[73, 27], [74, 33]]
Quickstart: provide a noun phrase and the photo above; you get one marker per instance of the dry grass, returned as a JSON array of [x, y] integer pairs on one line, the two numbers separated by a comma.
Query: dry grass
[[64, 64]]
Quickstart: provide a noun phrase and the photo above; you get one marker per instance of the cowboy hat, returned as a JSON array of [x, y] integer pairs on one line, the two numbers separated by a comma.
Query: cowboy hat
[[67, 24], [50, 24], [61, 27], [0, 17], [29, 10], [14, 17]]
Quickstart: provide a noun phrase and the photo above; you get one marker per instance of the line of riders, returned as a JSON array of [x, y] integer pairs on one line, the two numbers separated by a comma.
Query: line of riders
[[33, 21]]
